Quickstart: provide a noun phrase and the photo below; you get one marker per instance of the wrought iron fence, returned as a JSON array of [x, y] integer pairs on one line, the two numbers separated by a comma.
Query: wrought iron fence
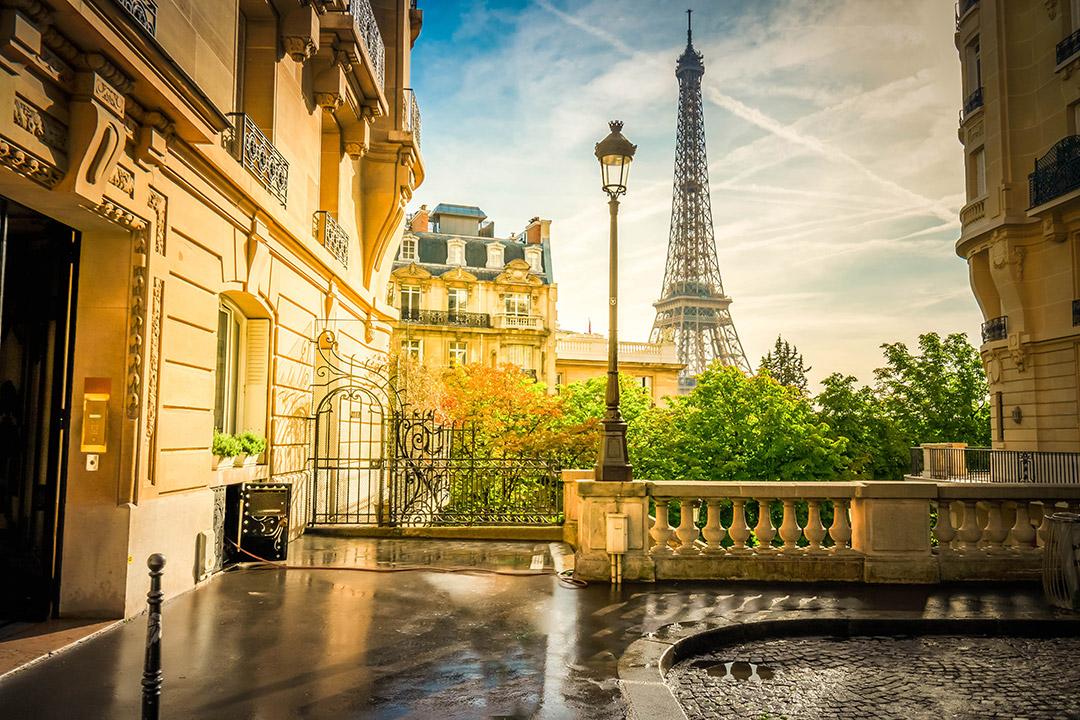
[[995, 329], [444, 317], [973, 101], [368, 30], [1068, 47], [410, 118], [1057, 172], [988, 465], [144, 12], [258, 155], [326, 230]]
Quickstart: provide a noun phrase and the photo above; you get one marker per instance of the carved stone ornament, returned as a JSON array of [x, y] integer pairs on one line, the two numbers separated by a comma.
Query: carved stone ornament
[[153, 362], [137, 329], [1051, 8], [328, 101], [330, 301], [123, 180], [160, 205], [300, 49], [992, 366], [1018, 350], [97, 136], [40, 124], [22, 162]]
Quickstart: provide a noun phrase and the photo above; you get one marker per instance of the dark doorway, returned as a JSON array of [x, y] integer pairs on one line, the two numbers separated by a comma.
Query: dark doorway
[[38, 276]]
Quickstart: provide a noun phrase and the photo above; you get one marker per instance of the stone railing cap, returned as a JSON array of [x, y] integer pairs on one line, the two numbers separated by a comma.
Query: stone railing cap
[[1006, 491]]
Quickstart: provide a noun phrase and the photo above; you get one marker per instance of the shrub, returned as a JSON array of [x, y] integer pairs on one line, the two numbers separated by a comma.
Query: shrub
[[251, 443], [225, 445]]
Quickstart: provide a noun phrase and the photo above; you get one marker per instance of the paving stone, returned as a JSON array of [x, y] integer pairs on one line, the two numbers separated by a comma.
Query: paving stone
[[885, 678]]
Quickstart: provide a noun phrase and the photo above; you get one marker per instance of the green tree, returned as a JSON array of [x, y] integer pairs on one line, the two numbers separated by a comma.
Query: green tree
[[785, 364], [938, 394], [734, 427], [586, 399], [875, 449]]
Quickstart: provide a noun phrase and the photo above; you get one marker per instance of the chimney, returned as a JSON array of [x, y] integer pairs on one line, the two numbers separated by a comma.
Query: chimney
[[534, 234], [420, 221]]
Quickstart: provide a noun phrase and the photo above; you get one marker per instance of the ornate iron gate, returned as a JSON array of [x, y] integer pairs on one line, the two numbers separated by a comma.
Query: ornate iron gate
[[375, 461]]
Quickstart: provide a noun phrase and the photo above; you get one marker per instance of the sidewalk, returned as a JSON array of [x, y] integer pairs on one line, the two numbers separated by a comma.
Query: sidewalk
[[300, 643]]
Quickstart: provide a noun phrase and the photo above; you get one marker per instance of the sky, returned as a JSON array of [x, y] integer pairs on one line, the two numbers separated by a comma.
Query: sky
[[831, 125]]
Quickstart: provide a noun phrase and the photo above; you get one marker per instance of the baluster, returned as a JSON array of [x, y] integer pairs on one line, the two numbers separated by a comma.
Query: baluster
[[739, 531], [1049, 507], [713, 532], [661, 532], [969, 532], [1022, 533], [688, 530], [995, 532], [764, 530], [789, 528], [840, 531], [814, 530], [944, 530]]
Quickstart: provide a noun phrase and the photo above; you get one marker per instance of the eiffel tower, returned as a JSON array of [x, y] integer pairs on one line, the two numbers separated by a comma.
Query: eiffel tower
[[693, 309]]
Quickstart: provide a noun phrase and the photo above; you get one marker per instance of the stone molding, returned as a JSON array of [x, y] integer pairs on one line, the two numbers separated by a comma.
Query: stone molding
[[24, 163]]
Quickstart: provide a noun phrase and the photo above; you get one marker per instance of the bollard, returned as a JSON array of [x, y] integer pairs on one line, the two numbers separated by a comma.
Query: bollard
[[151, 680]]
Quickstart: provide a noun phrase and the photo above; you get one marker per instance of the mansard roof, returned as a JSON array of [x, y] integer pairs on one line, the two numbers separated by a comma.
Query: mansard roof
[[432, 255]]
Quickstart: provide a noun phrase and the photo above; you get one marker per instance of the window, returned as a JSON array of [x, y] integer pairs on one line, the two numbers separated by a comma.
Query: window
[[1076, 116], [974, 67], [412, 349], [1074, 14], [520, 355], [495, 255], [410, 302], [517, 303], [532, 256], [978, 170], [459, 353], [1000, 402], [646, 383], [408, 247], [456, 301], [455, 252], [241, 370]]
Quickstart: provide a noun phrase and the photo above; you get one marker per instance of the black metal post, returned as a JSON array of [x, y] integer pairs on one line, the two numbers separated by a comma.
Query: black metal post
[[151, 680], [613, 463]]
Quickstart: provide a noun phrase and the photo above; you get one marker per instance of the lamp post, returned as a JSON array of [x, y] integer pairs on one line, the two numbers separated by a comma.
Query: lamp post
[[615, 153]]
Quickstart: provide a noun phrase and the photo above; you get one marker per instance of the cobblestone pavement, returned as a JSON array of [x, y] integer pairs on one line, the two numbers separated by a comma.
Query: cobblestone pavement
[[884, 677]]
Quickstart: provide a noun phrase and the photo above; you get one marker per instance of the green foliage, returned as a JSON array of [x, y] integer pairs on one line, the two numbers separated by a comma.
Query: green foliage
[[251, 443], [225, 445], [784, 363], [585, 399], [876, 448], [733, 427]]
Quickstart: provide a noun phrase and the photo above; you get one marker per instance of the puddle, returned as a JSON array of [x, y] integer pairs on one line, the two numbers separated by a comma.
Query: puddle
[[739, 670]]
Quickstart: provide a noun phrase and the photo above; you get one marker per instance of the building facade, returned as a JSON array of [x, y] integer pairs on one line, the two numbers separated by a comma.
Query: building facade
[[583, 356], [468, 297], [1020, 128], [192, 190]]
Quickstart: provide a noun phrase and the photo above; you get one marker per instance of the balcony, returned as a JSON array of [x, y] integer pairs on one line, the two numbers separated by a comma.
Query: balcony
[[1068, 48], [973, 102], [995, 329], [258, 155], [973, 211], [144, 12], [410, 114], [1057, 172], [963, 7], [368, 30], [519, 322], [443, 317], [326, 230], [596, 349], [943, 461]]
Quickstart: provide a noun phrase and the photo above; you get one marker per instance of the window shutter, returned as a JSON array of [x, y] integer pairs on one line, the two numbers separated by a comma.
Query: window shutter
[[256, 374]]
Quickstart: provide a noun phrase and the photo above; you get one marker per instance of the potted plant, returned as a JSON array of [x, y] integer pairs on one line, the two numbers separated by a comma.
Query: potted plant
[[252, 445], [225, 448]]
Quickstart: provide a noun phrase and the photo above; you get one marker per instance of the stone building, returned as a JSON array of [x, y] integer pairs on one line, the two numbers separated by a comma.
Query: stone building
[[467, 296], [192, 190], [582, 356], [1020, 128]]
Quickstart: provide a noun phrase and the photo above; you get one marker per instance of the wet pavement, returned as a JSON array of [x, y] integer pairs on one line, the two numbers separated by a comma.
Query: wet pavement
[[316, 643]]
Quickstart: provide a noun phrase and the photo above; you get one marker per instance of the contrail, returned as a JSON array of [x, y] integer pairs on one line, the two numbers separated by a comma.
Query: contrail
[[760, 119]]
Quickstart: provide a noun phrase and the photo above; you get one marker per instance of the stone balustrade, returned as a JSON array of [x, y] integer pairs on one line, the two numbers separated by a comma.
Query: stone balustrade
[[852, 531]]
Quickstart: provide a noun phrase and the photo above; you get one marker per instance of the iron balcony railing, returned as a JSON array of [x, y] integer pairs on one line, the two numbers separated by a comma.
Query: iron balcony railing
[[973, 102], [410, 114], [144, 12], [999, 466], [444, 317], [1068, 47], [995, 329], [326, 230], [256, 153], [1057, 172], [368, 30], [1076, 312]]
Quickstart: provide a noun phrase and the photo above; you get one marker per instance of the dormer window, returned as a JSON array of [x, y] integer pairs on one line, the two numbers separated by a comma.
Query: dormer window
[[455, 252], [495, 255], [408, 248], [532, 256]]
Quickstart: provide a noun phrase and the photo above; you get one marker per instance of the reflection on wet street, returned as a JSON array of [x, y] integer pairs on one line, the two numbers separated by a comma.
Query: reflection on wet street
[[315, 643]]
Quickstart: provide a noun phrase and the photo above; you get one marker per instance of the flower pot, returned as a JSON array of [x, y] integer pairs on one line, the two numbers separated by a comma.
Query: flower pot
[[248, 460], [221, 462]]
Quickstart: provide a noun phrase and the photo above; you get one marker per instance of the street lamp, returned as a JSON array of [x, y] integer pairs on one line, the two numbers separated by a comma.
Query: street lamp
[[615, 154]]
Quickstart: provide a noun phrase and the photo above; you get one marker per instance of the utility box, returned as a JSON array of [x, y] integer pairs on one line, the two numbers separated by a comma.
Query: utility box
[[618, 533], [257, 521]]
